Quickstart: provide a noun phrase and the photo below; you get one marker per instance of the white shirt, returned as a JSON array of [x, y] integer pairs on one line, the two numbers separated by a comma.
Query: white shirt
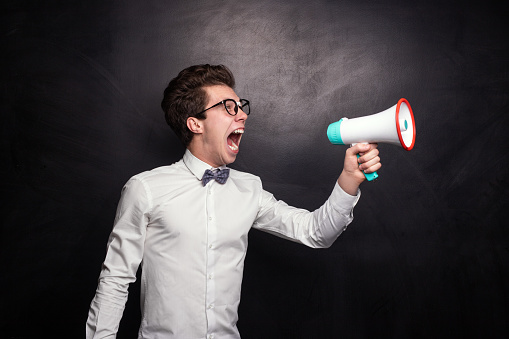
[[191, 241]]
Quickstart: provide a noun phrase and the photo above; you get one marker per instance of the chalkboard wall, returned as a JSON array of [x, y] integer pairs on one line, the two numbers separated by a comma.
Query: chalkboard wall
[[427, 255]]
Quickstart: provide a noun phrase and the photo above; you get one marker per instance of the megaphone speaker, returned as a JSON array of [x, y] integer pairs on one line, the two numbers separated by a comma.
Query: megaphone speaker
[[395, 125]]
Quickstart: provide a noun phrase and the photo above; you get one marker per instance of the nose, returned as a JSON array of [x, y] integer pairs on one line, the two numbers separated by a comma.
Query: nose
[[241, 116]]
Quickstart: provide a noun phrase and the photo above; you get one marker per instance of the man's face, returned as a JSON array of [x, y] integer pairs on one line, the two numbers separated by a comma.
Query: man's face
[[221, 131]]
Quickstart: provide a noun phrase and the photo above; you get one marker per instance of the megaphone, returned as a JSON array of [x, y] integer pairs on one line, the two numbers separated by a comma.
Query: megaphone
[[395, 125]]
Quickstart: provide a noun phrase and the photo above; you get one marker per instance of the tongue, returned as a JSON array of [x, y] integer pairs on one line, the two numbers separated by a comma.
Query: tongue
[[233, 139]]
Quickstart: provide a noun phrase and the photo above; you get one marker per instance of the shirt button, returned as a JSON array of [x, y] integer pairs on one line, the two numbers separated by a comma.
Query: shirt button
[[211, 276], [211, 306], [211, 246], [210, 336], [210, 218]]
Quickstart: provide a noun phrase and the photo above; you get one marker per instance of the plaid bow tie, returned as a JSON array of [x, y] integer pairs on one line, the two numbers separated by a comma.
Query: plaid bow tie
[[219, 175]]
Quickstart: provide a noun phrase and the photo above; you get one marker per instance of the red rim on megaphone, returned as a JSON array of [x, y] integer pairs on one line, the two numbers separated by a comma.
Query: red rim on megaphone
[[405, 109]]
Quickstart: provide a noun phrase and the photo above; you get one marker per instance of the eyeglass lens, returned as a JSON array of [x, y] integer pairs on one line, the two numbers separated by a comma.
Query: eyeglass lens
[[233, 108]]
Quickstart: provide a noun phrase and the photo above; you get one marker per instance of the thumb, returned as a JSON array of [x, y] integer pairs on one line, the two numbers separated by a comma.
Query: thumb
[[359, 148]]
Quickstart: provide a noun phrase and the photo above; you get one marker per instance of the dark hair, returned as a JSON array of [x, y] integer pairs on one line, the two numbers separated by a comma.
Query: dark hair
[[185, 96]]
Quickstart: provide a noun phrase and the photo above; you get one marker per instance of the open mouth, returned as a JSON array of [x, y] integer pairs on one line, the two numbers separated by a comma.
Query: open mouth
[[233, 139]]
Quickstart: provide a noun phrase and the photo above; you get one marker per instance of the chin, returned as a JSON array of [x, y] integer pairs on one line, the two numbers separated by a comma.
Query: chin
[[230, 158]]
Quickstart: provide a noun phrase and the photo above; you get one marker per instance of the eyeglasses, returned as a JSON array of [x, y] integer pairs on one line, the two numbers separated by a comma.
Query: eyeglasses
[[232, 106]]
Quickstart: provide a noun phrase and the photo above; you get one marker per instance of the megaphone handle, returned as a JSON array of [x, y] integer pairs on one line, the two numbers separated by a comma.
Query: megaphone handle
[[369, 176]]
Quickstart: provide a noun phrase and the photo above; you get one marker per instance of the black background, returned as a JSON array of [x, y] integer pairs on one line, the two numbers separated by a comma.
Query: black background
[[427, 255]]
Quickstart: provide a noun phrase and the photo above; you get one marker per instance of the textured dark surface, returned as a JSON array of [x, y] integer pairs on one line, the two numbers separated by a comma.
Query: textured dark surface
[[427, 255]]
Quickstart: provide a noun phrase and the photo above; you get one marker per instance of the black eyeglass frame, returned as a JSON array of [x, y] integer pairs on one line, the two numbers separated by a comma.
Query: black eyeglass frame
[[242, 103]]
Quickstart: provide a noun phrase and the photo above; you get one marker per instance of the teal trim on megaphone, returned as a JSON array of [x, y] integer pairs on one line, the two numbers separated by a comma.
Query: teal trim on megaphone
[[371, 176], [334, 133]]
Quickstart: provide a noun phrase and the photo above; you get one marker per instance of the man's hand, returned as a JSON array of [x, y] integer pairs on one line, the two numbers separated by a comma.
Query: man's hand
[[354, 168]]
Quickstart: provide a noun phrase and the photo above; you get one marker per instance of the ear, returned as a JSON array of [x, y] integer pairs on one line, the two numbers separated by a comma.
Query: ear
[[194, 125]]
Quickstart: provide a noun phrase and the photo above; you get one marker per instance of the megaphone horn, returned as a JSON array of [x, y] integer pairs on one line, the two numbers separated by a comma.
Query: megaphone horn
[[395, 125]]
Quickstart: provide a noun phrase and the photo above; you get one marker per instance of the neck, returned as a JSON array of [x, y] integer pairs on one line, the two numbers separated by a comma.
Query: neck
[[201, 154]]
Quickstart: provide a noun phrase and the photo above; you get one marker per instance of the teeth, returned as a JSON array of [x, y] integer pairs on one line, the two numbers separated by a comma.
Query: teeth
[[238, 131], [234, 146]]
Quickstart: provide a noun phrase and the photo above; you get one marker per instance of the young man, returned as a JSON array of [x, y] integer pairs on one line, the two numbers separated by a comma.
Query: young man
[[188, 223]]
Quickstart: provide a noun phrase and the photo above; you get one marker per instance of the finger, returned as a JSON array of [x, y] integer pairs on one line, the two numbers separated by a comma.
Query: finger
[[368, 156], [371, 166], [366, 164]]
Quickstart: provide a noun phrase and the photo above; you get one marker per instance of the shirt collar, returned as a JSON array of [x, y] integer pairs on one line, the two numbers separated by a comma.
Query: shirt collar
[[196, 166]]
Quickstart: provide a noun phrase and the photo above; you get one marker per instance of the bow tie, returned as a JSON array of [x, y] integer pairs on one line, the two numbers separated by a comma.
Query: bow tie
[[219, 175]]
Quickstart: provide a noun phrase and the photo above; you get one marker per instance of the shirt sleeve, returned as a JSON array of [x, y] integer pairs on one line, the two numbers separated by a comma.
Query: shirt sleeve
[[318, 229], [124, 254]]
